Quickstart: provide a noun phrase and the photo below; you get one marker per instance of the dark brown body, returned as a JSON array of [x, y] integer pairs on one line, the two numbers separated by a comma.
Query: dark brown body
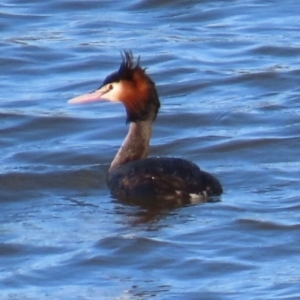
[[169, 181]]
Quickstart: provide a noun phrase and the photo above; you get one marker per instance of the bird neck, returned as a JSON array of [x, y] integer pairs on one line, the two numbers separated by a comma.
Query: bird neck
[[135, 145]]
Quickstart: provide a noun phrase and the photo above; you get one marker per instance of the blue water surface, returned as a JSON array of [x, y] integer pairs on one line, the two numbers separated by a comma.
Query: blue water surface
[[227, 73]]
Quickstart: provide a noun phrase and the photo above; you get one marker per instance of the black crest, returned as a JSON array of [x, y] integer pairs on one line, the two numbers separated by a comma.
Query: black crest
[[126, 70]]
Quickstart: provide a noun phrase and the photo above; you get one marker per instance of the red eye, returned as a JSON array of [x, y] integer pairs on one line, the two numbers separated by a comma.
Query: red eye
[[110, 87]]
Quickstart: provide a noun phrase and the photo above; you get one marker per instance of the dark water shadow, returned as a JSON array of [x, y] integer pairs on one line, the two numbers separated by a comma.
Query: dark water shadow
[[145, 212]]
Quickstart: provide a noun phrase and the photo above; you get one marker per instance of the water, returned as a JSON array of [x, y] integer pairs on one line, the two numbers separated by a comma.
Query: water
[[228, 77]]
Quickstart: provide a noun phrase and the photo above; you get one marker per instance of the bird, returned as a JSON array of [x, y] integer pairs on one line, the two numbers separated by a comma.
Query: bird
[[133, 177]]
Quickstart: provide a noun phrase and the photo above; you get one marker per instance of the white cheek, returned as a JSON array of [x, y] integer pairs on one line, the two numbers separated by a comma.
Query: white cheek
[[114, 95]]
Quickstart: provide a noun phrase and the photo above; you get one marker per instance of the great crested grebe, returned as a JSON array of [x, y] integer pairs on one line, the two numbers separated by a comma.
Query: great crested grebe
[[132, 176]]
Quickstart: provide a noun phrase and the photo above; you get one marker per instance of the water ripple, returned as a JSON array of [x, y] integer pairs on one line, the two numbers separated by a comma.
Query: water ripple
[[227, 75]]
